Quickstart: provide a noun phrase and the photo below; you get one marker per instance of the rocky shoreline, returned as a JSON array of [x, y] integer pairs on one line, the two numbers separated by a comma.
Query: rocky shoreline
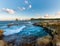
[[18, 40], [55, 34]]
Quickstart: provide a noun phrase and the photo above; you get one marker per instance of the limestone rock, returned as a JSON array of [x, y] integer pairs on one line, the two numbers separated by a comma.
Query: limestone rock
[[3, 43], [1, 32]]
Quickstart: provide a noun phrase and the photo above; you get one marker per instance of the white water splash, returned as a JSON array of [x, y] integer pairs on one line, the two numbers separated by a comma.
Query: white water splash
[[9, 31], [30, 22]]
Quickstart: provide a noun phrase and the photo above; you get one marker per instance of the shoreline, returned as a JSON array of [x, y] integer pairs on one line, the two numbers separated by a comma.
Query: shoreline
[[48, 37]]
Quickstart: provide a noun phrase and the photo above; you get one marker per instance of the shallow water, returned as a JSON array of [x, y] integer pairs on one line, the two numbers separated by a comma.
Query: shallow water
[[25, 27], [24, 32]]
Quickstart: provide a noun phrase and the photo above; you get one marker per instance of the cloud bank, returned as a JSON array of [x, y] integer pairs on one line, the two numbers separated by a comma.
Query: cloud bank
[[7, 10]]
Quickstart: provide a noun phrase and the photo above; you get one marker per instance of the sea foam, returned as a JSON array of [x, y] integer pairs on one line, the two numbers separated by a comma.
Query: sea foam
[[10, 31]]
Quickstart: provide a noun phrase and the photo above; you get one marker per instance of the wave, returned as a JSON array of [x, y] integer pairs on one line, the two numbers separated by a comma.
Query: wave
[[30, 22], [10, 32], [3, 26]]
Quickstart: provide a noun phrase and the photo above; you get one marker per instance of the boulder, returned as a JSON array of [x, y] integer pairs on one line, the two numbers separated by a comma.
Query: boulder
[[3, 43], [1, 32], [43, 41]]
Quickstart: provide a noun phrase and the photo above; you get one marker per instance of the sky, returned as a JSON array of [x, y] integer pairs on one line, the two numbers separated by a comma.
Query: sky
[[25, 9]]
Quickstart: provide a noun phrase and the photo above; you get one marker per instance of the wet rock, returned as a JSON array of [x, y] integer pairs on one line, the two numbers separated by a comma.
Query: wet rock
[[12, 24], [36, 24]]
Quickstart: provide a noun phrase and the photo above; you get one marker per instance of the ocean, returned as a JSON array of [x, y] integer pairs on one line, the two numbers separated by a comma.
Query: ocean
[[24, 32], [23, 26]]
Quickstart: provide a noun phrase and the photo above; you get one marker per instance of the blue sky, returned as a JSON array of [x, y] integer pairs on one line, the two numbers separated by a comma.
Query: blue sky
[[28, 8]]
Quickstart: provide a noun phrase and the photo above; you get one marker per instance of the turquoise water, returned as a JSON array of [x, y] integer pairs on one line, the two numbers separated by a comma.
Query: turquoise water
[[24, 28], [24, 32]]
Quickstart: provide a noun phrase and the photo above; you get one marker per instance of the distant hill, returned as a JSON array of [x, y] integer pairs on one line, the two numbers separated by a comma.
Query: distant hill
[[45, 19]]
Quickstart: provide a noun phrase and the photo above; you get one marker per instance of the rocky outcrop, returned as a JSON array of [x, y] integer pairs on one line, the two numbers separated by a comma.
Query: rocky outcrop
[[1, 34], [12, 24], [44, 41], [3, 43]]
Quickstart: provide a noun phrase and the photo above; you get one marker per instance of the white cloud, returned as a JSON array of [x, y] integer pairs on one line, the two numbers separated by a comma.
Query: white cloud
[[30, 6], [26, 2], [47, 16], [10, 11], [21, 8], [26, 7], [4, 17], [57, 15]]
